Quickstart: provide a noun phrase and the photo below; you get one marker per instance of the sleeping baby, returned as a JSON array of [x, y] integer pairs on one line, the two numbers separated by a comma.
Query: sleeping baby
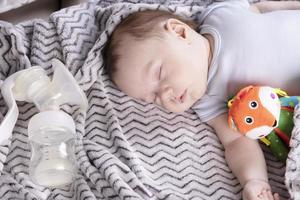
[[178, 64]]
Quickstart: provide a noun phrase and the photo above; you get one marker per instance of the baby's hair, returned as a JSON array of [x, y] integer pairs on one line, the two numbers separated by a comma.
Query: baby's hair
[[139, 25]]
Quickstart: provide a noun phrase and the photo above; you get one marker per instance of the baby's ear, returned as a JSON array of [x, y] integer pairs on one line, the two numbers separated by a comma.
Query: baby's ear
[[177, 27]]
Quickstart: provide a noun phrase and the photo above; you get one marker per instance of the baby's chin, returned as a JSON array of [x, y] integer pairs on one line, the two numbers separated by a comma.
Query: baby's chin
[[179, 108]]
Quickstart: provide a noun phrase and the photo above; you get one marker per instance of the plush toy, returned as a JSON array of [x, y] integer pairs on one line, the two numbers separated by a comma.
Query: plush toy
[[258, 113]]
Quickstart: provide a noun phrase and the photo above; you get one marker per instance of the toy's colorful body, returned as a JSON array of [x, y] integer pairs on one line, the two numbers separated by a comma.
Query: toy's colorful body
[[258, 113], [279, 137]]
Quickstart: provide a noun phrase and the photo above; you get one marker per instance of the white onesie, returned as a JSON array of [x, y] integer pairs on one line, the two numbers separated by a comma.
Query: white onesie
[[249, 49]]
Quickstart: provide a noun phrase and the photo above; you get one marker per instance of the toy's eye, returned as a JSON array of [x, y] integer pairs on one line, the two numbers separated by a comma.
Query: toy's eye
[[249, 120], [253, 104]]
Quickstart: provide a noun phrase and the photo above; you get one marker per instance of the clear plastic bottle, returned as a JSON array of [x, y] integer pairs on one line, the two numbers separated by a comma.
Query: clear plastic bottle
[[51, 133], [52, 140]]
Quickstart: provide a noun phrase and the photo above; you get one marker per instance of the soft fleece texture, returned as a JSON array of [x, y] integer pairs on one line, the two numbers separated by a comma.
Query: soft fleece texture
[[126, 149]]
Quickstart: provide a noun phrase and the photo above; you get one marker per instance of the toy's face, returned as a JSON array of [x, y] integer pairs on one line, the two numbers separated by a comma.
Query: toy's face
[[255, 111]]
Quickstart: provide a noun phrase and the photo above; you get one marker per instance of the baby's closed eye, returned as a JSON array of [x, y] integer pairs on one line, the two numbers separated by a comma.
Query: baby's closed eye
[[159, 72]]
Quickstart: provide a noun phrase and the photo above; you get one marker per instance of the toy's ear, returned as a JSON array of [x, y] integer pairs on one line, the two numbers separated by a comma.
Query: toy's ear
[[231, 123], [239, 95], [244, 91]]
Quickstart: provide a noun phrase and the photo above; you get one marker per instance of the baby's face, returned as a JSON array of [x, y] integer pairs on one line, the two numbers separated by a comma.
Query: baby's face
[[168, 71]]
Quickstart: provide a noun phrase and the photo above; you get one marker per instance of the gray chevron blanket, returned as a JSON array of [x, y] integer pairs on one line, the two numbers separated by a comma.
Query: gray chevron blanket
[[126, 149]]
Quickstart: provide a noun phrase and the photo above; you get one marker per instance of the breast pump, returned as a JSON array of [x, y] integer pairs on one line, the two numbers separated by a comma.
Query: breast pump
[[51, 132]]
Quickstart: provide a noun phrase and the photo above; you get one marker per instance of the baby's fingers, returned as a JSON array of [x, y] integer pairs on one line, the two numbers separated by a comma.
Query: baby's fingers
[[276, 196], [267, 195], [272, 197], [264, 195]]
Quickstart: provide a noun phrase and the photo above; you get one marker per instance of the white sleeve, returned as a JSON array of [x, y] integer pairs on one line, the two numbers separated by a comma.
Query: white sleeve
[[242, 4]]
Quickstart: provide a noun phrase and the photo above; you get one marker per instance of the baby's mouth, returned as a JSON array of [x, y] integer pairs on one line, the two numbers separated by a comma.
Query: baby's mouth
[[182, 97]]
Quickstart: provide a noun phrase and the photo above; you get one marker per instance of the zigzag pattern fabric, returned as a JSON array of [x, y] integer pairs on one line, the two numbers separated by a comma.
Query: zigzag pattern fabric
[[293, 163], [125, 149]]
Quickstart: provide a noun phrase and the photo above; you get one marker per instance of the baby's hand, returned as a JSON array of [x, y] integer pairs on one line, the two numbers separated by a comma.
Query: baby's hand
[[258, 190], [267, 195]]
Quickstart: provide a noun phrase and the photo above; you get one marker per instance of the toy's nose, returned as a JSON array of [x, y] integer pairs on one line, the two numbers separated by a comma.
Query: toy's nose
[[275, 123]]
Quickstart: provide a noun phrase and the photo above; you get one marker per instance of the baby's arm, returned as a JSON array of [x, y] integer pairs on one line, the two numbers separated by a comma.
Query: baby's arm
[[245, 158], [243, 155], [268, 6]]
